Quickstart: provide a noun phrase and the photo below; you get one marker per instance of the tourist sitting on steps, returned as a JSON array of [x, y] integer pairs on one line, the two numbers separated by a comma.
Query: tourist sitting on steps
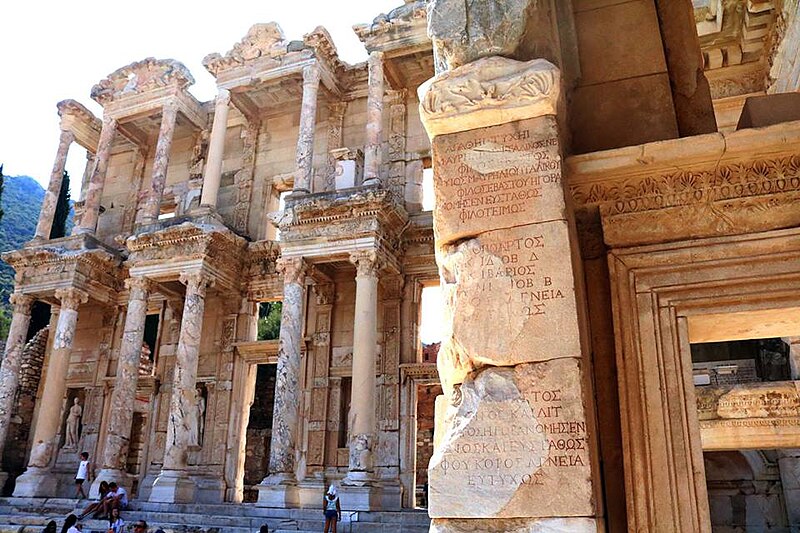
[[115, 523], [141, 527], [332, 509], [51, 527], [97, 506], [117, 498]]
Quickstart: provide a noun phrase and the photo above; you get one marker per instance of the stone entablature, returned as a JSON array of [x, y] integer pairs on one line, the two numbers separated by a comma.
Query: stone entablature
[[723, 185], [402, 28]]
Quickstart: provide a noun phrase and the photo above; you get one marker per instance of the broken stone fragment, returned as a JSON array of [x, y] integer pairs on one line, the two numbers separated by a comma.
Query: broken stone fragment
[[463, 31], [514, 444]]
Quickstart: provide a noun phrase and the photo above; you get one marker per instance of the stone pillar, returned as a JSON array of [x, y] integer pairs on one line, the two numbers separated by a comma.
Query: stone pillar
[[514, 447], [94, 189], [365, 340], [278, 488], [9, 371], [789, 466], [336, 112], [36, 481], [308, 123], [173, 484], [372, 148], [118, 431], [794, 356], [48, 211], [152, 205], [216, 150]]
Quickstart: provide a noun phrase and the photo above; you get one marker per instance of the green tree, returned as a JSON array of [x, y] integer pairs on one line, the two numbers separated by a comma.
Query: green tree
[[59, 228], [269, 320], [2, 186]]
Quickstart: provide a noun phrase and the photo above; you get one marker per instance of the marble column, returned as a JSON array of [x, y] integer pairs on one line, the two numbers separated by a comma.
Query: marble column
[[365, 340], [48, 211], [216, 150], [308, 123], [372, 148], [9, 370], [152, 206], [173, 484], [286, 410], [94, 189], [36, 481], [118, 431]]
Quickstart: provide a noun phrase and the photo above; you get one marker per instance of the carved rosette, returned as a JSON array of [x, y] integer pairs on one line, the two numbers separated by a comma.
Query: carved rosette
[[489, 92], [293, 269], [367, 263]]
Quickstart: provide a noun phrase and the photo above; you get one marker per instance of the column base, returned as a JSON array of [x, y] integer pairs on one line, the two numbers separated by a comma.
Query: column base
[[122, 478], [3, 479], [368, 497], [173, 486], [279, 493], [310, 492], [36, 483], [358, 479]]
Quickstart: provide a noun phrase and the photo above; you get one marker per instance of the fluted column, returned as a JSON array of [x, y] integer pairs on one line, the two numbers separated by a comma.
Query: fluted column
[[173, 483], [115, 452], [35, 482], [308, 123], [50, 200], [152, 206], [372, 148], [216, 150], [286, 411], [94, 190], [9, 370], [365, 340]]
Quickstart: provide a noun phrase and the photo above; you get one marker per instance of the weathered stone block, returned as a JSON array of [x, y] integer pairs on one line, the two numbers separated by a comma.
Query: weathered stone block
[[515, 445], [519, 278], [497, 177], [515, 525]]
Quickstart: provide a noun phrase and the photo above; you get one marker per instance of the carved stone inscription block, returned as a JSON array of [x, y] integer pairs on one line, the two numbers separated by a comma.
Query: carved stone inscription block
[[497, 177], [519, 279], [515, 445]]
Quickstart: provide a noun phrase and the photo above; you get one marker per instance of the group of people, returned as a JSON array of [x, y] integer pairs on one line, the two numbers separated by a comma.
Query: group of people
[[113, 499]]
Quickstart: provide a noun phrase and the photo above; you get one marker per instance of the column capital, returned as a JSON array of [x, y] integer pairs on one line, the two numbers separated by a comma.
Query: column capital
[[223, 97], [109, 122], [67, 137], [336, 109], [375, 55], [311, 74], [324, 293], [71, 297], [367, 263], [139, 285], [196, 280], [293, 269], [22, 303]]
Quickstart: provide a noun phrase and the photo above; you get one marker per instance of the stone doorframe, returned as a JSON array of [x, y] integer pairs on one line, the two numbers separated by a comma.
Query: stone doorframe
[[656, 290], [412, 375]]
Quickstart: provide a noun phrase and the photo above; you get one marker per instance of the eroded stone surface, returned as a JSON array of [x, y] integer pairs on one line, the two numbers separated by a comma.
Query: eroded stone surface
[[520, 278], [465, 31], [497, 177], [515, 445], [516, 525]]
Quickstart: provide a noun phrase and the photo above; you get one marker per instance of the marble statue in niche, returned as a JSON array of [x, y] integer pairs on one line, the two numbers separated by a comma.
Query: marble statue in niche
[[73, 425], [198, 418]]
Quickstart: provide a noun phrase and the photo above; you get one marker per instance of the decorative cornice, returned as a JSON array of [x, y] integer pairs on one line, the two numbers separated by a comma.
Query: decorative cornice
[[262, 40], [140, 77], [487, 92]]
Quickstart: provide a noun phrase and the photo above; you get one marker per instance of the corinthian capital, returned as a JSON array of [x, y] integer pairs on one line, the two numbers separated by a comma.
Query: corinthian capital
[[71, 298], [195, 281], [294, 269], [311, 74], [139, 287], [367, 262], [22, 303]]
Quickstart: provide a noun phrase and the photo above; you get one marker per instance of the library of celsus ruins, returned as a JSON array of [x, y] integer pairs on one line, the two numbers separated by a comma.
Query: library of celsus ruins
[[605, 195]]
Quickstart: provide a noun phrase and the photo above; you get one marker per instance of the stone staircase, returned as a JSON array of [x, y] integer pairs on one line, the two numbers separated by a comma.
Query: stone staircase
[[29, 515]]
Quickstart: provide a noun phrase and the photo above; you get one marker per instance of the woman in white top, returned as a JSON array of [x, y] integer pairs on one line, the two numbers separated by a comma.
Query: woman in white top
[[116, 524], [82, 475]]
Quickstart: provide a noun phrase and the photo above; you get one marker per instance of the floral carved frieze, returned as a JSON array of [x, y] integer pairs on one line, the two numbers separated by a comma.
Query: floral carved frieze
[[262, 40], [685, 187], [142, 76]]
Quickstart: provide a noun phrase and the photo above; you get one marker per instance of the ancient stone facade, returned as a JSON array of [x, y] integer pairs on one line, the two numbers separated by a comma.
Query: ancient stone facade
[[602, 233]]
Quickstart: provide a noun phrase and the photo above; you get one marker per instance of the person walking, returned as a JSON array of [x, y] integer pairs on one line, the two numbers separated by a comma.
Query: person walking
[[82, 475], [332, 509]]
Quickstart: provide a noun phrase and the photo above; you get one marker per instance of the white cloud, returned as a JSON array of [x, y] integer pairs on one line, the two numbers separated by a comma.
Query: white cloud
[[51, 51]]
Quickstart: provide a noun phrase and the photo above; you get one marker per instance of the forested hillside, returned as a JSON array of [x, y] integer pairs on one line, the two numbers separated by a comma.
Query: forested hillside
[[22, 199]]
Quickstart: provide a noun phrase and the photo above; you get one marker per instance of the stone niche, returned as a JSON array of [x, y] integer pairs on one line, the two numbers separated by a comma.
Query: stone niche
[[516, 441]]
